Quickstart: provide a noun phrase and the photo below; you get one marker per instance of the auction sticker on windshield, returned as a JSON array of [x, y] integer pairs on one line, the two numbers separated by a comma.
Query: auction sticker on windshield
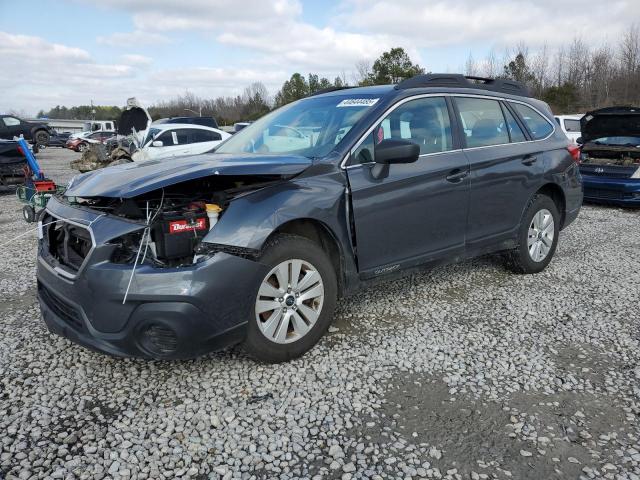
[[358, 102]]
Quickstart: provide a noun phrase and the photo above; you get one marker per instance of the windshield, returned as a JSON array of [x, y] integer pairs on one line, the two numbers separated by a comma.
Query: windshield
[[311, 127], [625, 141]]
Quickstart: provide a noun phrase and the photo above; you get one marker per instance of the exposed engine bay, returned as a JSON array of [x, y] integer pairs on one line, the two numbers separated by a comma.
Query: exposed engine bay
[[617, 155], [176, 218]]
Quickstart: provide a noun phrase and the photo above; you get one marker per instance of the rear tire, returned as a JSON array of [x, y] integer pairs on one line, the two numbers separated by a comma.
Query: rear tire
[[41, 137], [294, 304], [537, 237]]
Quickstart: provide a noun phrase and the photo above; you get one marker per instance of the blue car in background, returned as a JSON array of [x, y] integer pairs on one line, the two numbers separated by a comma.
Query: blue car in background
[[610, 156]]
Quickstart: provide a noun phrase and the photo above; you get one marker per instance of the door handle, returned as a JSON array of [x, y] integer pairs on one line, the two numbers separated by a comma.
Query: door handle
[[529, 160], [456, 175]]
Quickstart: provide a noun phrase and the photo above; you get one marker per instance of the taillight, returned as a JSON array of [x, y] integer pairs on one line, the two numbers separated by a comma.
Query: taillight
[[574, 150]]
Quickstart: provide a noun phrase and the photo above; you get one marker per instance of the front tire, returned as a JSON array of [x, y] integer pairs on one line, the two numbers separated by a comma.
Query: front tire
[[29, 214], [294, 303], [537, 237]]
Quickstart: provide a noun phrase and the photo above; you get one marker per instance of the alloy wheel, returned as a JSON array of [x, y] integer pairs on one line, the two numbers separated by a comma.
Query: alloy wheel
[[289, 301], [540, 236]]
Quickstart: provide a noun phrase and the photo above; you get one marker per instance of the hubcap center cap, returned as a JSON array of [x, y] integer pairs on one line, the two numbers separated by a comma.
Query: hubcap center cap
[[290, 301]]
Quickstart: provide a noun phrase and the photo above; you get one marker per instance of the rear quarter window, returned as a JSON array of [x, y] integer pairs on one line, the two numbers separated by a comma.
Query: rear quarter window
[[571, 125], [538, 125]]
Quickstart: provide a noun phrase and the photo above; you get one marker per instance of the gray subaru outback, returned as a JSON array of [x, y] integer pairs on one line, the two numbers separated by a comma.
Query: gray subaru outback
[[255, 242]]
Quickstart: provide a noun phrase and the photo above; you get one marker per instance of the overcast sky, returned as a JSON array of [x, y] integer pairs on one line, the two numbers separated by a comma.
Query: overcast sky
[[71, 52]]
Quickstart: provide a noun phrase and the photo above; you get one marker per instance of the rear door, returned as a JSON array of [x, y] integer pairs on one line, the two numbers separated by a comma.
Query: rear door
[[505, 169], [197, 140], [418, 212]]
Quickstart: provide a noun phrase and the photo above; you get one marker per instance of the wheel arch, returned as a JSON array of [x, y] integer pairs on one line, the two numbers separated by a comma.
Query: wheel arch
[[321, 234], [555, 192]]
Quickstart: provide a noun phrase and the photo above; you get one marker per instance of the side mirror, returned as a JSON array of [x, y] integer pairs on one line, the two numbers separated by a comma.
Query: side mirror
[[157, 143], [392, 151], [579, 141]]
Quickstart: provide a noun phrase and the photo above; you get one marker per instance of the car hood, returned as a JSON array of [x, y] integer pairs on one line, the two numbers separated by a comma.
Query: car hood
[[134, 120], [610, 122], [133, 179]]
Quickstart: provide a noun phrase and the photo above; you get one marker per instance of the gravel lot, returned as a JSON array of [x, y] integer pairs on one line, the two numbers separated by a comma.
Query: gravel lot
[[462, 372]]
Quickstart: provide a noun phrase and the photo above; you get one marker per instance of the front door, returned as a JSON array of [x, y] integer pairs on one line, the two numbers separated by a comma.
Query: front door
[[418, 212]]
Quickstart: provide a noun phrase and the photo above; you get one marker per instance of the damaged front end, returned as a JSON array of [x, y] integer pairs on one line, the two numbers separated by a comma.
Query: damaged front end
[[175, 220], [128, 262]]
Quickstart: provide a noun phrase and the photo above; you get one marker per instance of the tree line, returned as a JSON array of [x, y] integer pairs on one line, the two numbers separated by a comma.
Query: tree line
[[574, 78]]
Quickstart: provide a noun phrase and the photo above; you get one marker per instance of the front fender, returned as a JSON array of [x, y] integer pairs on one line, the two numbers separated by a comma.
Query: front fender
[[250, 219]]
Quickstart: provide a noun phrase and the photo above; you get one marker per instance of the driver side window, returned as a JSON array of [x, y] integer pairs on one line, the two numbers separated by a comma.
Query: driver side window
[[424, 121]]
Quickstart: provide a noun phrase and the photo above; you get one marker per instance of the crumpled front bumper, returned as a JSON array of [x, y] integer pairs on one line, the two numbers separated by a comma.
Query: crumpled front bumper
[[618, 191], [169, 312]]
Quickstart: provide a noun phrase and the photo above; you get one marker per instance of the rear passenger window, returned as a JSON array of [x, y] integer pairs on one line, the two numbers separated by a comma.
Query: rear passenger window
[[482, 121], [536, 123], [515, 132], [198, 136]]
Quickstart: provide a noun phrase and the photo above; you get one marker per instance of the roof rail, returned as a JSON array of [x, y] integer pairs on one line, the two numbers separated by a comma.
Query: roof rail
[[327, 90], [456, 80]]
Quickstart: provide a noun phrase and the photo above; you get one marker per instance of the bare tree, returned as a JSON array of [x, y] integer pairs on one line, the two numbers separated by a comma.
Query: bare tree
[[364, 71], [471, 67], [540, 68], [630, 63], [491, 68]]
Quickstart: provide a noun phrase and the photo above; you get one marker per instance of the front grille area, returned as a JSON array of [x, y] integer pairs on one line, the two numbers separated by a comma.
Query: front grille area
[[68, 313], [67, 243], [607, 171], [606, 194]]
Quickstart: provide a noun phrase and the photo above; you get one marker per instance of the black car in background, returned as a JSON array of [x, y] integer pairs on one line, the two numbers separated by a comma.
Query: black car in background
[[258, 242], [205, 121], [12, 126], [58, 139]]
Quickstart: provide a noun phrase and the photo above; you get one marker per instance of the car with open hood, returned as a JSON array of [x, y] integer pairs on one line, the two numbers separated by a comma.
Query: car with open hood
[[257, 242], [610, 155]]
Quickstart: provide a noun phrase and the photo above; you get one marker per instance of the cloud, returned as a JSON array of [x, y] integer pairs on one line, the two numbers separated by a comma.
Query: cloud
[[268, 40], [272, 31], [64, 75], [135, 59], [439, 23], [136, 38], [16, 46]]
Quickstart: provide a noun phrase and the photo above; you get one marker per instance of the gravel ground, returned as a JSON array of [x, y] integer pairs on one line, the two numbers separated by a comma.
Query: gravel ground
[[463, 372]]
